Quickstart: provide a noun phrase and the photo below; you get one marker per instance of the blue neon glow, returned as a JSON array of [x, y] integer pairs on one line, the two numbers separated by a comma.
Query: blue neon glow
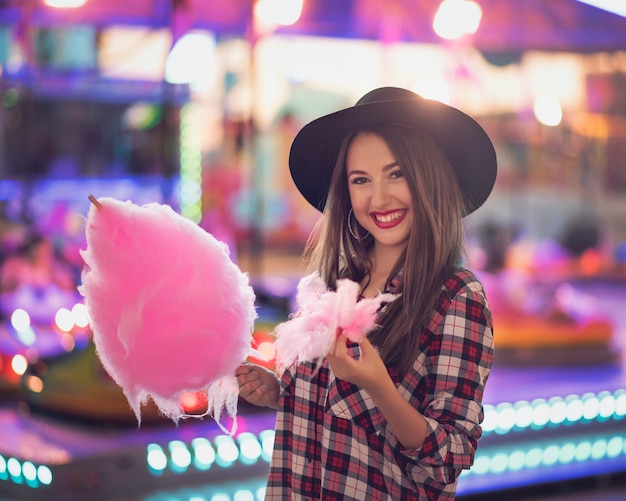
[[156, 458], [250, 448], [243, 495], [203, 453], [497, 460], [14, 467], [267, 443], [227, 451], [507, 417], [44, 474], [29, 471], [179, 455]]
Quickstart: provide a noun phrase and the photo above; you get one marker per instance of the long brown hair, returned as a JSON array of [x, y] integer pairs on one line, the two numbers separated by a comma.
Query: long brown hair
[[433, 250]]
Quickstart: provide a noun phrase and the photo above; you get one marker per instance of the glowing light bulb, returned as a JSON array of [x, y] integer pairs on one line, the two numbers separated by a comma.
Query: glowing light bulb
[[550, 455], [80, 315], [456, 18], [583, 451], [34, 384], [558, 410], [227, 451], [19, 364], [567, 453], [524, 415], [281, 12], [490, 421], [266, 437], [183, 64], [517, 460], [63, 319], [44, 474], [541, 412], [591, 406], [250, 448], [180, 455], [203, 452], [574, 408], [607, 405], [243, 495], [547, 110], [156, 458], [20, 320], [533, 458], [14, 467], [614, 447], [482, 465], [29, 471]]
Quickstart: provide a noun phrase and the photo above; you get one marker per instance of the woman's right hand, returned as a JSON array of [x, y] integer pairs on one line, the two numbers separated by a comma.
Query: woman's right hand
[[258, 385]]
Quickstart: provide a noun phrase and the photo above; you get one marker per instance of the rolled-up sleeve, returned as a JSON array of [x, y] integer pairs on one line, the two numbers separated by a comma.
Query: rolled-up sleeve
[[455, 365]]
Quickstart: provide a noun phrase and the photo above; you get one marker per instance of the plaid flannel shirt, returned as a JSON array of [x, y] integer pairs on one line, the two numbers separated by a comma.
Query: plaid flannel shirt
[[332, 443]]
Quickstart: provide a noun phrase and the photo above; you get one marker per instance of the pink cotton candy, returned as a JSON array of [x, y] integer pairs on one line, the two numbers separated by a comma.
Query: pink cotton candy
[[170, 312], [309, 335]]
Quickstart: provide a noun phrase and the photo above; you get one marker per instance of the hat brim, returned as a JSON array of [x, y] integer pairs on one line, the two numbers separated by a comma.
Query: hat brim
[[465, 143]]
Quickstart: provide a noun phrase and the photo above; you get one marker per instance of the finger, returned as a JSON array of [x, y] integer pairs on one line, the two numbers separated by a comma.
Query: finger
[[248, 378], [369, 351], [261, 390], [243, 369], [366, 345], [341, 346], [248, 389]]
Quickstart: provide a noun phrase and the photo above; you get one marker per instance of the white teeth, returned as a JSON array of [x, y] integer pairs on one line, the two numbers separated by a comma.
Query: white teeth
[[389, 217]]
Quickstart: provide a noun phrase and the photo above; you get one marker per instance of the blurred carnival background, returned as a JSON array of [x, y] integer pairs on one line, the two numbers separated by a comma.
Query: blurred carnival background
[[194, 103]]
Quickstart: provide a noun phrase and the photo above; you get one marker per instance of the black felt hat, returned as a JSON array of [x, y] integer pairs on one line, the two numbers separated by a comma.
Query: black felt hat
[[466, 145]]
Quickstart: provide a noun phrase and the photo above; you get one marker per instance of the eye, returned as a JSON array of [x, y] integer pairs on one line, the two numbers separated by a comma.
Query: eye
[[358, 180], [396, 174]]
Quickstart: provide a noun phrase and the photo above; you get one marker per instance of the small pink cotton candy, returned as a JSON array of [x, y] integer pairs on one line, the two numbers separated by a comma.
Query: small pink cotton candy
[[170, 312], [309, 335]]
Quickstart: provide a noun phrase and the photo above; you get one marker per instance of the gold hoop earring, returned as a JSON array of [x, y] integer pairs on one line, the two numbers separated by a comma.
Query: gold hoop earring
[[354, 234]]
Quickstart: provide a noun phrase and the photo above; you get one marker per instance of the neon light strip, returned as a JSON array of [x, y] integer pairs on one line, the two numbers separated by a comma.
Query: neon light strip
[[24, 472], [223, 451], [525, 456], [540, 413], [501, 419]]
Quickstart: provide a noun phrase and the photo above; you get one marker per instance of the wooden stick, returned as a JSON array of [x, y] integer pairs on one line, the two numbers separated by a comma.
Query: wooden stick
[[95, 202]]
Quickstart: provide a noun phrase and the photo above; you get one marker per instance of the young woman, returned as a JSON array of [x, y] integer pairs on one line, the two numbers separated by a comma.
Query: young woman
[[398, 415]]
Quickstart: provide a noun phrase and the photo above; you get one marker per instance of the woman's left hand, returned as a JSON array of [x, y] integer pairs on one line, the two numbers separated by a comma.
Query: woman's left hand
[[368, 372]]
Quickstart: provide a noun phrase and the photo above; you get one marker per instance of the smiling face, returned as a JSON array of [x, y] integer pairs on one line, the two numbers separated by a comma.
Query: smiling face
[[379, 192]]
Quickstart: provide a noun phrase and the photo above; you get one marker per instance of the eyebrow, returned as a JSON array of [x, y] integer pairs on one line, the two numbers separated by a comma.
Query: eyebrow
[[391, 166], [385, 168]]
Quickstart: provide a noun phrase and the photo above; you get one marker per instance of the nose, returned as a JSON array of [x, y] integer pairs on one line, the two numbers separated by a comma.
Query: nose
[[381, 195]]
